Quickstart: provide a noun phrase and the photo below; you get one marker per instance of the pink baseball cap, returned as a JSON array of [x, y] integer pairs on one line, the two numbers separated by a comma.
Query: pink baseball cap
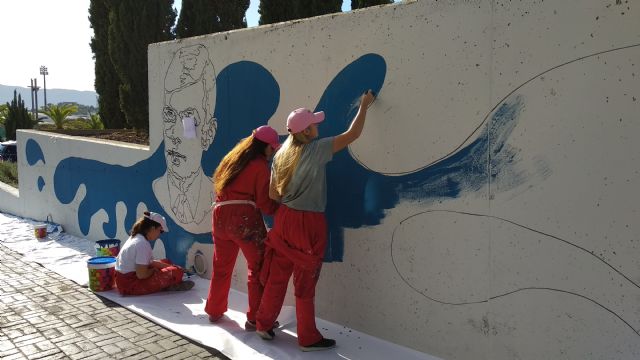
[[300, 119], [268, 135]]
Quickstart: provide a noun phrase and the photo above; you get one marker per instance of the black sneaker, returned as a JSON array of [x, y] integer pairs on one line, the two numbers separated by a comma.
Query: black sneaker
[[266, 335], [183, 286], [323, 344], [251, 325]]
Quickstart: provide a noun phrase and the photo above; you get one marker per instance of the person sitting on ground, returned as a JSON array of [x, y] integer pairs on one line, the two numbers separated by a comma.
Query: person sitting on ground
[[137, 273]]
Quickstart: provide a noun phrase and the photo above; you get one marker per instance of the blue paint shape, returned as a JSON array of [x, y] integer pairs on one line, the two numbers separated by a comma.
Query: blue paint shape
[[247, 97], [358, 197], [40, 183], [34, 152]]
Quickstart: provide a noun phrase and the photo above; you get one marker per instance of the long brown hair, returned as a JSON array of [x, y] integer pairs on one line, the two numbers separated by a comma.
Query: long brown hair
[[143, 225], [285, 162], [234, 162]]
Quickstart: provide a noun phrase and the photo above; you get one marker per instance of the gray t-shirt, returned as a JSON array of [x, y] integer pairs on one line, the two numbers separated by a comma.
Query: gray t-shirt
[[307, 189]]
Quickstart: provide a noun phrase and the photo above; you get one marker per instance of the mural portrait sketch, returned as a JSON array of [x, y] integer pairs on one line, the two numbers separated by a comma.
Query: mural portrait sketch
[[185, 191]]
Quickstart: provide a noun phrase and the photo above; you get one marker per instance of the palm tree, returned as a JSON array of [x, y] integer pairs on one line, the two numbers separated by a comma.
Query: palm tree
[[95, 122], [59, 113]]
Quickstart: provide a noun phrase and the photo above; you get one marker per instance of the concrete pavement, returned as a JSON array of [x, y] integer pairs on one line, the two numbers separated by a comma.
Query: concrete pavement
[[45, 316]]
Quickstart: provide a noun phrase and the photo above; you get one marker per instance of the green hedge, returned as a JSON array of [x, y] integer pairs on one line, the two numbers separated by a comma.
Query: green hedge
[[9, 173]]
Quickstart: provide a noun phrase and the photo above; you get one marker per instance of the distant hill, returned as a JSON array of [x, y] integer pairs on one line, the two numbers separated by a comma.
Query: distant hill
[[54, 96]]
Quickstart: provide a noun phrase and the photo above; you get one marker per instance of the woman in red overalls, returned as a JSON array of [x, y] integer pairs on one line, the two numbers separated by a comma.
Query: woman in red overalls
[[296, 243], [137, 273], [241, 184]]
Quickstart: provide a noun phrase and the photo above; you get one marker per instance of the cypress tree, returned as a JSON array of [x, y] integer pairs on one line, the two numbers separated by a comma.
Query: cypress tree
[[17, 117], [272, 11], [309, 8], [358, 4], [107, 82], [199, 17], [233, 14], [133, 25]]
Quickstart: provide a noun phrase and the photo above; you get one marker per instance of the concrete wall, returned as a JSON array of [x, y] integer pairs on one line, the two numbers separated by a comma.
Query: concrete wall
[[490, 208]]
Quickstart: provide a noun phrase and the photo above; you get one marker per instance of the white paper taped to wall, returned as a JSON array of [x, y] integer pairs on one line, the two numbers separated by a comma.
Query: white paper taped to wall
[[189, 127]]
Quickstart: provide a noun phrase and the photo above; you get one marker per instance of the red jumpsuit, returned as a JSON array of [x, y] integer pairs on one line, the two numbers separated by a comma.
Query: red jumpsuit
[[240, 227], [295, 245], [129, 284]]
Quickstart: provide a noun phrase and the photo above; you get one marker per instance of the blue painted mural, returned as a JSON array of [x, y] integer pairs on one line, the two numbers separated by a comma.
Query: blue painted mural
[[246, 96]]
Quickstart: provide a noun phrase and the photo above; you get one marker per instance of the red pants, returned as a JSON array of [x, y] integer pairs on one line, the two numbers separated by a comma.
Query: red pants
[[129, 284], [232, 233], [295, 246]]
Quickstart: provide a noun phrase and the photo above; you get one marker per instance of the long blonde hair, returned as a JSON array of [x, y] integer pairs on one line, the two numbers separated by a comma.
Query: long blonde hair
[[285, 162]]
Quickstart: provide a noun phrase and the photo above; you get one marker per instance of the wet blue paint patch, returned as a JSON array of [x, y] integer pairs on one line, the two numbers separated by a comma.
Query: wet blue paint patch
[[358, 197]]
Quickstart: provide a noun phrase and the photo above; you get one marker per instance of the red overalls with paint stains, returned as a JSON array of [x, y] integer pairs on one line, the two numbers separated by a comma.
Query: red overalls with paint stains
[[237, 224], [129, 284]]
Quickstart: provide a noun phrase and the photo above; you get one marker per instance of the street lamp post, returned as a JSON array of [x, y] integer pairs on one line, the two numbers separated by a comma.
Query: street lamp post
[[44, 72], [34, 98], [32, 87]]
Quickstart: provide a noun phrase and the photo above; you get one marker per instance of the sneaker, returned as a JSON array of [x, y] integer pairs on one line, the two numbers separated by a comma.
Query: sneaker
[[266, 335], [183, 286], [251, 325], [213, 319], [323, 344]]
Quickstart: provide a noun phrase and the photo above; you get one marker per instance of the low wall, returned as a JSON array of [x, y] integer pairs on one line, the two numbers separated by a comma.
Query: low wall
[[490, 208]]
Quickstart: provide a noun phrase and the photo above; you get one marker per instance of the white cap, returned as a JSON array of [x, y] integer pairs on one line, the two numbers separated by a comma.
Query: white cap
[[159, 219]]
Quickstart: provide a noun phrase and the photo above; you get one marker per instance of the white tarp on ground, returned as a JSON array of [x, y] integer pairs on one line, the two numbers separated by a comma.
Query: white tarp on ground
[[183, 312]]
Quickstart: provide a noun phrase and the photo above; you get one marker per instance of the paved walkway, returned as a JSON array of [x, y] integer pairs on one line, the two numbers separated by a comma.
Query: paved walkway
[[45, 316]]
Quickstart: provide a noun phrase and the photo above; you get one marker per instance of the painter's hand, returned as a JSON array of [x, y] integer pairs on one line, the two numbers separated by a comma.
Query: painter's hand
[[367, 99]]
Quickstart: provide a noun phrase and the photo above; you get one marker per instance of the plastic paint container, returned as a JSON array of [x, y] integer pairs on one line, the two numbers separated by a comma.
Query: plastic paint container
[[107, 247], [40, 231], [102, 273]]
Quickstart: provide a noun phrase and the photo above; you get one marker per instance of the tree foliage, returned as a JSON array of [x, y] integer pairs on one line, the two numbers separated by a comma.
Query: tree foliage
[[4, 110], [17, 117], [60, 113], [199, 17], [133, 25], [273, 11], [107, 82], [95, 122], [358, 4]]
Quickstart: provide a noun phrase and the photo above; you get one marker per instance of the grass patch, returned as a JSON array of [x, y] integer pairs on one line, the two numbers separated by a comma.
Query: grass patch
[[9, 173]]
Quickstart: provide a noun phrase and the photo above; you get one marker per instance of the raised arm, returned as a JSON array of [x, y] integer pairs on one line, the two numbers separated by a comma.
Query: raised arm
[[355, 129]]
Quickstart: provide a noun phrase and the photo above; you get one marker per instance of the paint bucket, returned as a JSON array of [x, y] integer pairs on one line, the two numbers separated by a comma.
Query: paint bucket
[[107, 247], [102, 273], [40, 231]]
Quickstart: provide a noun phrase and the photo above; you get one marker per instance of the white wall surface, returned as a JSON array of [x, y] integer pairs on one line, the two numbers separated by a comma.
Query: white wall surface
[[497, 173]]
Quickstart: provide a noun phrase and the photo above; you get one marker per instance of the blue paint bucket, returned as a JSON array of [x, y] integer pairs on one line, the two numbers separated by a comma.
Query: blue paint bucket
[[107, 247], [102, 273]]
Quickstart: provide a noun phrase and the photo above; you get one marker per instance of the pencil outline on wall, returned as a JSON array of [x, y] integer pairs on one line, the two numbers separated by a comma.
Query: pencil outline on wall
[[484, 120]]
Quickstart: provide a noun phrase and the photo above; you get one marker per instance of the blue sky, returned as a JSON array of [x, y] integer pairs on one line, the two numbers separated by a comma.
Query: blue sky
[[56, 34]]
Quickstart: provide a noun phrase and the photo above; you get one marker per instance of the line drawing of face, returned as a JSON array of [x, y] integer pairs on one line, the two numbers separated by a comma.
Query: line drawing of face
[[189, 92]]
